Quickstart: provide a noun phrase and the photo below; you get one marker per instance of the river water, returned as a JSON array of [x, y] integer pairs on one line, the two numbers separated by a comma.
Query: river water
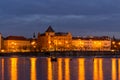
[[42, 68]]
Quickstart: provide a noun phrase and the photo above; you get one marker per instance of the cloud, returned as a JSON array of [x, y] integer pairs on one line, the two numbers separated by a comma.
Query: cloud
[[77, 24], [77, 16], [59, 7]]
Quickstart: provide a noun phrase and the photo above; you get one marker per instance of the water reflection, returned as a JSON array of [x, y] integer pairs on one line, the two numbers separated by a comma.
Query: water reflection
[[59, 68], [81, 69], [97, 69], [49, 69], [100, 69], [2, 69], [118, 69], [114, 77], [62, 69], [67, 69], [33, 68], [13, 68]]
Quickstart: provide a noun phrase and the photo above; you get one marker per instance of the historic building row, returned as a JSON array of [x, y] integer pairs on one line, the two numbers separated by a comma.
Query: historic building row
[[57, 41], [54, 41], [17, 44], [60, 41]]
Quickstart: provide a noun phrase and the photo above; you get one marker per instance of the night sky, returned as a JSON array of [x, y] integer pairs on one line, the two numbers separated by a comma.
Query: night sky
[[80, 17]]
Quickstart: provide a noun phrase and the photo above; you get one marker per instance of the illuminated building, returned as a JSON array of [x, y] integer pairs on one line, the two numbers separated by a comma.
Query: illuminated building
[[59, 41], [91, 44], [16, 44], [33, 44], [77, 44], [1, 42], [115, 45], [54, 41]]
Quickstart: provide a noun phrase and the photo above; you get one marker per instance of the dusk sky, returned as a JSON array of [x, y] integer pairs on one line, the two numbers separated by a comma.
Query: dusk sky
[[80, 17]]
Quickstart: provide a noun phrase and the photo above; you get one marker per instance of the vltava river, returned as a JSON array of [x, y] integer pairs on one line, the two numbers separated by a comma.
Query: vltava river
[[37, 68]]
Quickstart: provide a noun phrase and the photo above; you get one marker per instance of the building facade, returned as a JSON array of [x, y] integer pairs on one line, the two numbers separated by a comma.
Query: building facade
[[115, 44], [16, 44], [91, 44], [59, 41], [1, 43], [54, 41]]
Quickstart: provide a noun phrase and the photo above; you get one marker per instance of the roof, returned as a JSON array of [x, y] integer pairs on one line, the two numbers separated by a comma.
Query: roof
[[61, 34], [42, 34], [57, 34], [15, 38], [92, 38], [50, 29]]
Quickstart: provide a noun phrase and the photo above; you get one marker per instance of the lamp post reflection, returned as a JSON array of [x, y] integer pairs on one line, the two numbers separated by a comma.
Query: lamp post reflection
[[95, 69], [118, 69], [114, 77], [67, 69], [33, 68], [59, 68], [49, 69], [2, 69], [81, 69], [98, 70], [13, 68]]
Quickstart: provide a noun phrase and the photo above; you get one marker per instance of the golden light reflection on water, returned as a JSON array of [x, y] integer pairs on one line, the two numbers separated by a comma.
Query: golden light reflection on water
[[97, 69], [114, 77], [2, 69], [59, 68], [114, 68], [67, 69], [81, 69], [118, 69], [49, 69], [33, 68], [13, 68], [100, 69]]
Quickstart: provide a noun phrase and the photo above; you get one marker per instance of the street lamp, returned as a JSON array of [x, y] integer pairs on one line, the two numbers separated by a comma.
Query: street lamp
[[33, 43], [13, 45]]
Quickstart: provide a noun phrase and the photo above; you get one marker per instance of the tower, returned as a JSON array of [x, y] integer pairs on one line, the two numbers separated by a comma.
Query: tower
[[0, 41], [50, 31]]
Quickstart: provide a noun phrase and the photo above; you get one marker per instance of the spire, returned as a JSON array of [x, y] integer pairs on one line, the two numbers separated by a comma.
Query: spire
[[34, 35], [50, 29], [114, 38]]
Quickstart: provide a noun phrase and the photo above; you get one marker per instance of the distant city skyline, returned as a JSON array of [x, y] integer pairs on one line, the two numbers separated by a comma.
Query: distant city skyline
[[80, 17], [75, 34]]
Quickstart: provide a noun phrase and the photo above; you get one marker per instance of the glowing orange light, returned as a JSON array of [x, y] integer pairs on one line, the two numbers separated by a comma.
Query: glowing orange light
[[2, 69], [67, 69], [13, 68], [114, 77], [118, 69], [59, 68], [33, 68], [95, 70], [81, 69], [49, 69], [113, 42]]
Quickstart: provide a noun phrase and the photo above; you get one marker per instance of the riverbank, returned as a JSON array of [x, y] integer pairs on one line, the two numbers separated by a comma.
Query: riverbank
[[64, 54]]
